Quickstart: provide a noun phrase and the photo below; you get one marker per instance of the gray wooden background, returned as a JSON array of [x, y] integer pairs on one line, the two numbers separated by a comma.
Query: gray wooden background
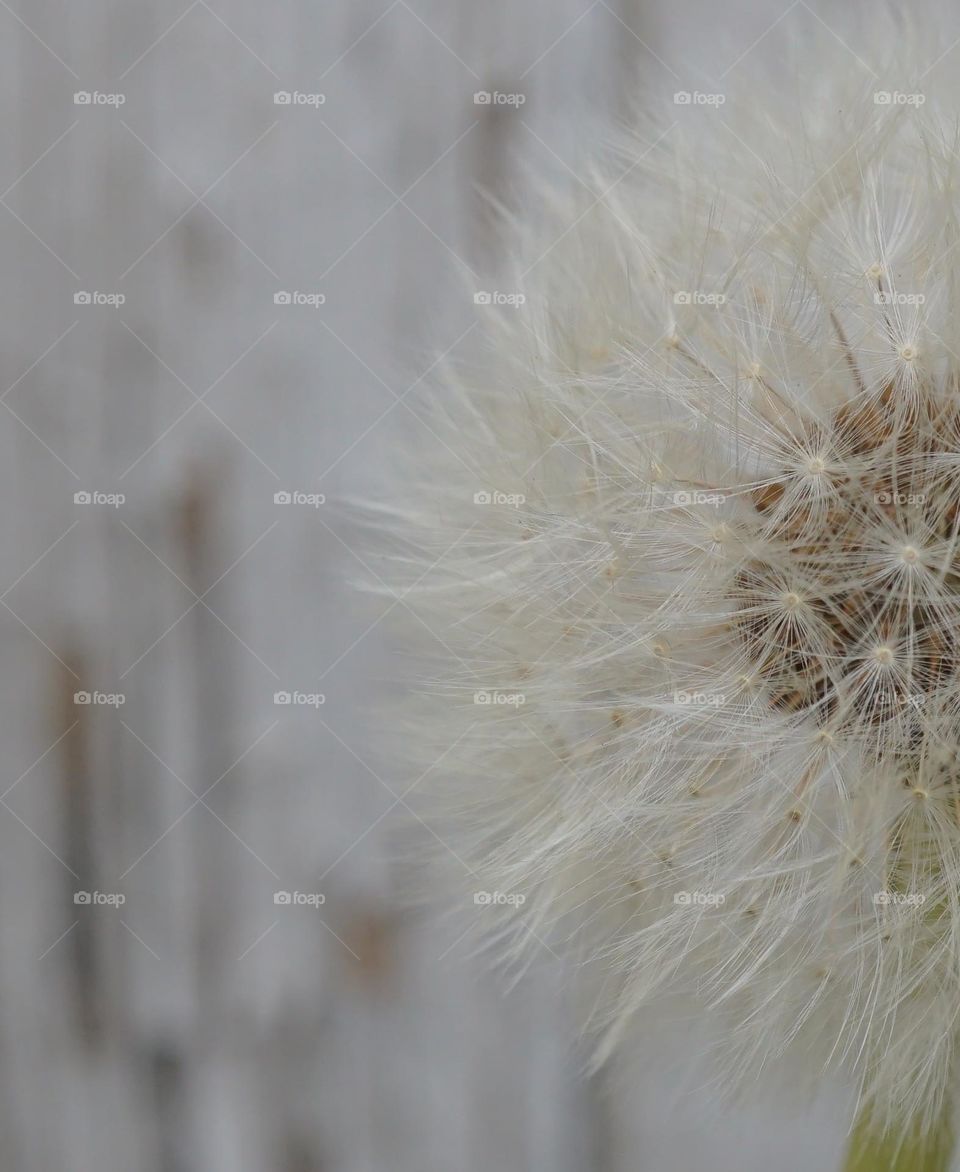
[[201, 1026]]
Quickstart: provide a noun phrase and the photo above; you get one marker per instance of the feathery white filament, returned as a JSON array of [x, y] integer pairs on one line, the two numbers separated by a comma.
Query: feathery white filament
[[696, 538]]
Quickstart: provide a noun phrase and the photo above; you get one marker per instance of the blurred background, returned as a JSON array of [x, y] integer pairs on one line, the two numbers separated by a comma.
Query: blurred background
[[234, 237]]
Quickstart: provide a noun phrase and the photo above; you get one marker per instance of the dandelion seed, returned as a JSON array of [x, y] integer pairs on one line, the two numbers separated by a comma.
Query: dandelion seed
[[791, 694]]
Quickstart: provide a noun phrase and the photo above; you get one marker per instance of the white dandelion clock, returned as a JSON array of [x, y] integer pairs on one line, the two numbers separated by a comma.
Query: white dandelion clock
[[689, 551]]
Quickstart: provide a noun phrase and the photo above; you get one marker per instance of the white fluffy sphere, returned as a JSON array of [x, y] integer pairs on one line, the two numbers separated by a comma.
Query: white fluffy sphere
[[686, 553]]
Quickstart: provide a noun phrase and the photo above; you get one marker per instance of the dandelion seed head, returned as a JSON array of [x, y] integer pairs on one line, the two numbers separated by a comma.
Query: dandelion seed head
[[733, 574]]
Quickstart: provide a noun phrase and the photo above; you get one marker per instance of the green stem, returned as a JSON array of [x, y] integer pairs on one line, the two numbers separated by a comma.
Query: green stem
[[901, 1150]]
